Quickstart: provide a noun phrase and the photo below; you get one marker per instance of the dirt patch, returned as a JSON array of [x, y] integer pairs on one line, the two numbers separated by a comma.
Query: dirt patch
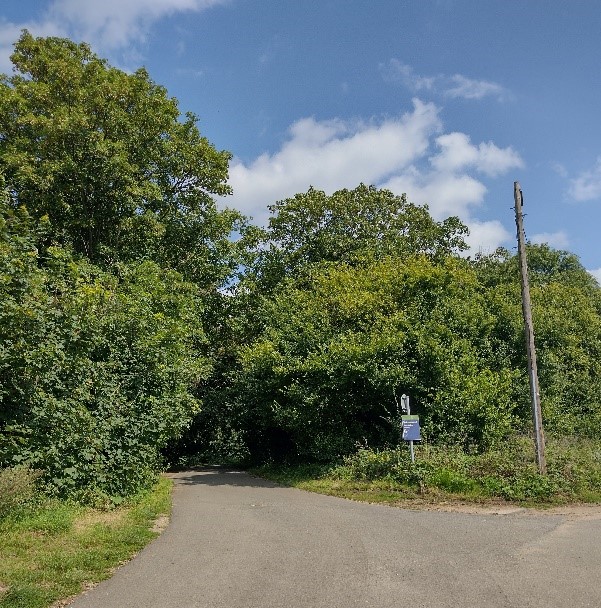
[[3, 589], [451, 506], [160, 523], [578, 511], [501, 508]]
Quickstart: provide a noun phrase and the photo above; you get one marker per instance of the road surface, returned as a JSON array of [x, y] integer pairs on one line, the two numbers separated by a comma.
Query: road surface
[[235, 541]]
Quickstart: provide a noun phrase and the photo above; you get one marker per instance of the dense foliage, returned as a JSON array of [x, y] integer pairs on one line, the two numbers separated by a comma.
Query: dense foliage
[[363, 336], [331, 337], [139, 321], [112, 256], [566, 305], [95, 369], [102, 153], [351, 226]]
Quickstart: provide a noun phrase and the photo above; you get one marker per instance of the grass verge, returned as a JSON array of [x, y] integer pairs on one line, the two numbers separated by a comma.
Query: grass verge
[[446, 474], [57, 550]]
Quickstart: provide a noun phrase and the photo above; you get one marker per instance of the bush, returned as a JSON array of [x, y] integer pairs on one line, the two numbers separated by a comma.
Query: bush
[[95, 369], [342, 345], [367, 464]]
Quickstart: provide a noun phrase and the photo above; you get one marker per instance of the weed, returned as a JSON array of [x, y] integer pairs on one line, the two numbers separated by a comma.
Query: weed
[[17, 489], [443, 472]]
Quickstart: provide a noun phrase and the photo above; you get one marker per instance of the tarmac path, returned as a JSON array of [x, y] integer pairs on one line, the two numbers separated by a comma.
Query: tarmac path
[[235, 541]]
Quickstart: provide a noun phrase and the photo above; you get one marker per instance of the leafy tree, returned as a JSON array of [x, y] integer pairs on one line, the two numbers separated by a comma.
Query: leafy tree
[[566, 306], [103, 154], [567, 322], [339, 348], [337, 343], [350, 226], [545, 265], [306, 233], [96, 371], [114, 257]]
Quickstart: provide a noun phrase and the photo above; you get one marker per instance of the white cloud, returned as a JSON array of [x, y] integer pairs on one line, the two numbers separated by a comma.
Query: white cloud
[[457, 152], [466, 88], [109, 25], [456, 86], [391, 153], [190, 73], [486, 237], [444, 193], [397, 71], [596, 274], [558, 240], [333, 154], [587, 186]]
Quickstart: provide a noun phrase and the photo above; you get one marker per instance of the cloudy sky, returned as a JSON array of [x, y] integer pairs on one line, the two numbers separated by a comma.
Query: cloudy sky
[[450, 101]]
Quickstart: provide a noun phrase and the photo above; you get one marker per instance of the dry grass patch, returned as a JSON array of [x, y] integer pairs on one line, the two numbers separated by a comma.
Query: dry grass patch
[[160, 523], [109, 518]]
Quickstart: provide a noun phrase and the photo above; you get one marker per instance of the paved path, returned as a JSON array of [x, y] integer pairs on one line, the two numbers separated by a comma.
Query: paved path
[[239, 542]]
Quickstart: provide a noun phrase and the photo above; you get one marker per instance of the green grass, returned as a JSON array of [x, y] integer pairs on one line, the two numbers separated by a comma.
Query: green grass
[[446, 474], [56, 550]]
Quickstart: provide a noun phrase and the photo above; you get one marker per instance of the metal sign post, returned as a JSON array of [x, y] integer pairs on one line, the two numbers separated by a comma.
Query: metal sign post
[[410, 426]]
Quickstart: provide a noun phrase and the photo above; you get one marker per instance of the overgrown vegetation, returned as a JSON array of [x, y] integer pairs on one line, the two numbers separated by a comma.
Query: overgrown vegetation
[[141, 324], [17, 490], [112, 255], [56, 549], [442, 474], [336, 343]]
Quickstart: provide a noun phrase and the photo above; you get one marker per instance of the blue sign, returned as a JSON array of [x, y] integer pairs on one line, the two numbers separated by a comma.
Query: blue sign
[[411, 430]]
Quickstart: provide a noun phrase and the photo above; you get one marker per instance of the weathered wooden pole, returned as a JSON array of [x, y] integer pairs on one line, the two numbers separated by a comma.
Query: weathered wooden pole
[[539, 437]]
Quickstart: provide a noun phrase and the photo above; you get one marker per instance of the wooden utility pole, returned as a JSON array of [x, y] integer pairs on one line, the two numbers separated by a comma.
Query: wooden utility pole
[[539, 437]]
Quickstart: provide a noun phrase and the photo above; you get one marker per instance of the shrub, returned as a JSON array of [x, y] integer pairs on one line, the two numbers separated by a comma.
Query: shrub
[[95, 369]]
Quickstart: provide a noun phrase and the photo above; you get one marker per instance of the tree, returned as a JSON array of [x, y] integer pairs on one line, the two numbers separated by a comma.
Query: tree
[[566, 307], [103, 154], [350, 226], [338, 348], [335, 344], [97, 371], [113, 255], [545, 266]]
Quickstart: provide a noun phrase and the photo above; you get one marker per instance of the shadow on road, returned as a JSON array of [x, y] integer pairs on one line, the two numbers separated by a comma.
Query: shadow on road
[[219, 476]]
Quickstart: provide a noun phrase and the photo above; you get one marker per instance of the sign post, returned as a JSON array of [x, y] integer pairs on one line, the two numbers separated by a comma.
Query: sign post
[[411, 430]]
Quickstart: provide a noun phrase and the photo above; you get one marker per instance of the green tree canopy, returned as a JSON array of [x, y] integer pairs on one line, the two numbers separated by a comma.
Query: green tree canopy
[[566, 309], [353, 225], [340, 347], [545, 266], [97, 150], [112, 256], [97, 371], [331, 349]]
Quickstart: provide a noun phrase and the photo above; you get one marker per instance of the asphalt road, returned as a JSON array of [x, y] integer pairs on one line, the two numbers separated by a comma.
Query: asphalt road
[[235, 541]]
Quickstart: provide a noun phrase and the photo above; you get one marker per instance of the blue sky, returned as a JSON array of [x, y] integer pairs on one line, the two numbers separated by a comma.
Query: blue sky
[[450, 101]]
